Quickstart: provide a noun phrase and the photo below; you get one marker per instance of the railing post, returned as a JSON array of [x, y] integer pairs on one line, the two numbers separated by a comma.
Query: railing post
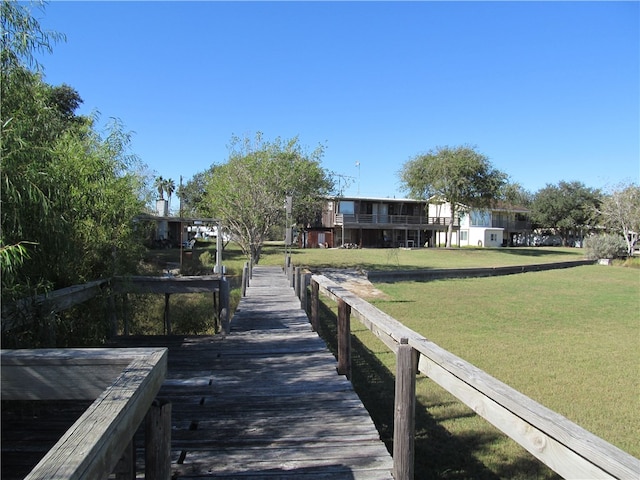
[[167, 318], [126, 467], [315, 305], [344, 338], [224, 305], [296, 281], [304, 300], [113, 317], [157, 459], [404, 414], [245, 278]]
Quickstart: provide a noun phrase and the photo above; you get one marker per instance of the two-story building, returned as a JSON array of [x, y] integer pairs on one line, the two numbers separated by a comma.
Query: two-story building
[[498, 226], [376, 222]]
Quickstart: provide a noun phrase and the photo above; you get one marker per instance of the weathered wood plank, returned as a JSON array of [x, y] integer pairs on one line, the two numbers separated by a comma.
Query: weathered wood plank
[[96, 441], [565, 447], [267, 401], [22, 311], [150, 284], [577, 453]]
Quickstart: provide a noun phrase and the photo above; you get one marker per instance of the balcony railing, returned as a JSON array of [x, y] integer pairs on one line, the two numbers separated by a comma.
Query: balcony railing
[[512, 225], [391, 220]]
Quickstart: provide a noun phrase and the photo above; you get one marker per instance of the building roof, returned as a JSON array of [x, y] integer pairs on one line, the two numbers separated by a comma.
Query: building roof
[[193, 220], [379, 199]]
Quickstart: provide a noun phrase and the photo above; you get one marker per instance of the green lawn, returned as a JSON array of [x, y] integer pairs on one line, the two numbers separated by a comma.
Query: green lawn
[[393, 258], [567, 338]]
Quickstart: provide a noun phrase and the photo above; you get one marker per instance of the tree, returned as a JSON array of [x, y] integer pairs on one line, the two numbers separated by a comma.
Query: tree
[[516, 195], [193, 192], [22, 36], [567, 208], [248, 192], [69, 193], [620, 212], [169, 188], [458, 175], [159, 184]]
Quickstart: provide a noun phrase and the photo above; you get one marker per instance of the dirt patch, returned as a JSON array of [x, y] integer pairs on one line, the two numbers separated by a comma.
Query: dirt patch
[[355, 281]]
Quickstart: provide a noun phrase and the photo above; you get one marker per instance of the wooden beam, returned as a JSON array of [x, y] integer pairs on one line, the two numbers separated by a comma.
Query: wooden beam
[[93, 445], [344, 338], [561, 444], [23, 310], [404, 424], [190, 284]]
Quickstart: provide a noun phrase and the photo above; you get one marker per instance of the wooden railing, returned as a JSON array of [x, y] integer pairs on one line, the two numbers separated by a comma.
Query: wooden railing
[[565, 447], [23, 312], [122, 383], [378, 219]]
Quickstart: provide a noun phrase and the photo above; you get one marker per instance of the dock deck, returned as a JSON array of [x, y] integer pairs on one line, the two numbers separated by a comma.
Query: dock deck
[[266, 402]]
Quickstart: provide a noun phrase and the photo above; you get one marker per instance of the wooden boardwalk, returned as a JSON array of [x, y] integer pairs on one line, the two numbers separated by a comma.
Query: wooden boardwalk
[[266, 402]]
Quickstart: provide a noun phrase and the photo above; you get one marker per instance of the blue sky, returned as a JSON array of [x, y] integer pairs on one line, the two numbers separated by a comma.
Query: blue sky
[[548, 91]]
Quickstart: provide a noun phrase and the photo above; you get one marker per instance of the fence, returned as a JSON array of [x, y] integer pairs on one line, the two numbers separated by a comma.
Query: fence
[[23, 312], [123, 384], [565, 447]]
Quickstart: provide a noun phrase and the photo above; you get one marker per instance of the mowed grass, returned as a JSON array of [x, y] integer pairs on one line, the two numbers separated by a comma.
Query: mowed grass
[[566, 338], [424, 258]]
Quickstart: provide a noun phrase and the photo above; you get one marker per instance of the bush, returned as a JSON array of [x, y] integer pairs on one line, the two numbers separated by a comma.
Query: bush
[[605, 246]]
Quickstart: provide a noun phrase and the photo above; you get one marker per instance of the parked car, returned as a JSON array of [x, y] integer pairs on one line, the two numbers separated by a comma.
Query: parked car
[[547, 241]]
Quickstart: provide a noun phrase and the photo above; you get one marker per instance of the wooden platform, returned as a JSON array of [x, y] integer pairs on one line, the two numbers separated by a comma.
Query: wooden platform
[[266, 402]]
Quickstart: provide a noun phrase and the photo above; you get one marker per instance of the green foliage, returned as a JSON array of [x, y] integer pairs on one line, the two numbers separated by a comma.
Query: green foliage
[[248, 192], [22, 36], [193, 193], [459, 175], [605, 245], [567, 208], [207, 259], [68, 193], [620, 212]]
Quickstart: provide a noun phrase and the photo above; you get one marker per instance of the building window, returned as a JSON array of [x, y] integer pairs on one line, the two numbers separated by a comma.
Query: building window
[[493, 237], [481, 218], [464, 236], [347, 207]]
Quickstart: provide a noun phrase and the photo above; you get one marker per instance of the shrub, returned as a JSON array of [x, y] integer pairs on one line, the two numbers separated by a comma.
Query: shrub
[[605, 246]]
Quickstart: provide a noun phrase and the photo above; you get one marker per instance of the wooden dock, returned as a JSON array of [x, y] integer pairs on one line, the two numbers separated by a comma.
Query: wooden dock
[[266, 402]]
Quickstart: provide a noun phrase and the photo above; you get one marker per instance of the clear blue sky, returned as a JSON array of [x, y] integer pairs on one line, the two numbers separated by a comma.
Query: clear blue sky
[[548, 91]]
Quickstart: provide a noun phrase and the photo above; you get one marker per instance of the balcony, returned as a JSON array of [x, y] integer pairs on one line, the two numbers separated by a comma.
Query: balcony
[[512, 225], [365, 220]]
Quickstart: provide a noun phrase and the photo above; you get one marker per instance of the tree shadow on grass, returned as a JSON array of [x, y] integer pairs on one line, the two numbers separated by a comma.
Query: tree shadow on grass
[[438, 453]]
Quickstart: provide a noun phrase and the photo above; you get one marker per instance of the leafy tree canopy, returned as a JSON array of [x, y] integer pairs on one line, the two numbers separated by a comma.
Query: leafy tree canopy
[[248, 192], [193, 193], [620, 212], [459, 175], [69, 193], [568, 208]]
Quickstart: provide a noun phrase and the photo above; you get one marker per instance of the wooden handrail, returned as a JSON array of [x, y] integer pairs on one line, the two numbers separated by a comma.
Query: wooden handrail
[[93, 445], [564, 446], [24, 311]]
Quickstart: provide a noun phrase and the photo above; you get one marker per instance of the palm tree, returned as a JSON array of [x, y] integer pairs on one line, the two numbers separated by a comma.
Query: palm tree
[[159, 183], [169, 187]]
